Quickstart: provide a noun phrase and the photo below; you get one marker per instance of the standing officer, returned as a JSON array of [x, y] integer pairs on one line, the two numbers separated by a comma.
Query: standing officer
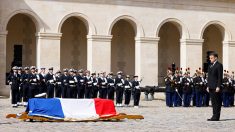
[[65, 82], [199, 84], [187, 89], [177, 97], [19, 72], [42, 81], [103, 86], [225, 91], [25, 85], [215, 77], [128, 89], [95, 85], [81, 84], [136, 90], [50, 81], [111, 88], [13, 79], [119, 82], [72, 80], [33, 80], [169, 88], [58, 86], [88, 83]]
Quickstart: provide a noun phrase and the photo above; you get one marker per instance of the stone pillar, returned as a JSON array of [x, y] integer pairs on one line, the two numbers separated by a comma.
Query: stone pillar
[[146, 60], [99, 53], [228, 55], [4, 90], [225, 51], [48, 50], [191, 54]]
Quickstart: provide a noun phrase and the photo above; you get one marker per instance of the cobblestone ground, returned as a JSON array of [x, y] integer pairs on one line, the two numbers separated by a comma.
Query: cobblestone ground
[[158, 117]]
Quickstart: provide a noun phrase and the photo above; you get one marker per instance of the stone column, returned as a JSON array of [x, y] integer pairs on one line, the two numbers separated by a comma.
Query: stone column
[[229, 55], [4, 90], [146, 60], [48, 50], [191, 54], [99, 53]]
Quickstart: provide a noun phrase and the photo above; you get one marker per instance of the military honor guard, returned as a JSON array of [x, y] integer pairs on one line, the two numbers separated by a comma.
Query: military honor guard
[[13, 80], [128, 89], [119, 84], [169, 82], [33, 80], [199, 84], [111, 87], [187, 89], [59, 84], [50, 81], [137, 91], [103, 86], [25, 85], [88, 83], [95, 85], [81, 84]]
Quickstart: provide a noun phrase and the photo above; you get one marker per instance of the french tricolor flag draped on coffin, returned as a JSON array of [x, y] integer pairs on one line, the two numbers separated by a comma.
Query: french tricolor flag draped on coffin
[[71, 109]]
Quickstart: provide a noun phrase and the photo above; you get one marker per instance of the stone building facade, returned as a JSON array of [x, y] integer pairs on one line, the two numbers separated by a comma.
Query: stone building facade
[[140, 37]]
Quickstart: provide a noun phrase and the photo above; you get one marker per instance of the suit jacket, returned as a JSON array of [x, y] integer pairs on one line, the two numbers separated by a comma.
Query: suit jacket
[[215, 75]]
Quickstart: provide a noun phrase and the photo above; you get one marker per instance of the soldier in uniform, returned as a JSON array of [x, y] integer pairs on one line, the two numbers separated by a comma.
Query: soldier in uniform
[[169, 82], [199, 84], [111, 88], [206, 94], [177, 87], [187, 89], [119, 82], [95, 85], [58, 86], [194, 89], [65, 83], [226, 84], [19, 71], [136, 90], [25, 85], [33, 80], [50, 81], [81, 84], [103, 86], [42, 81], [72, 80], [88, 83], [13, 79], [128, 90]]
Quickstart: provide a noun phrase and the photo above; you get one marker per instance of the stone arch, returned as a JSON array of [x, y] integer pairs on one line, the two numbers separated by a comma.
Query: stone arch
[[35, 18], [139, 31], [221, 26], [184, 33], [89, 24]]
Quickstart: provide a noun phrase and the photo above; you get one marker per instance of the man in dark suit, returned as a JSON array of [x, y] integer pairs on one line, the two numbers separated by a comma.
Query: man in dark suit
[[215, 77]]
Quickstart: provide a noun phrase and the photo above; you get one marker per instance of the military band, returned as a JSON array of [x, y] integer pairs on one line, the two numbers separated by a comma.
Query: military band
[[191, 91], [77, 84]]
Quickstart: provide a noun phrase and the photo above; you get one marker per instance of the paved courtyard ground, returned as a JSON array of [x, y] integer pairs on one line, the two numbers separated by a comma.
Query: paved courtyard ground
[[158, 117]]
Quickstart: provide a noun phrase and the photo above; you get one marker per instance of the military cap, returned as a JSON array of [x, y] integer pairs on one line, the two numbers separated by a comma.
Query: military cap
[[127, 76], [135, 76], [32, 67], [26, 68], [51, 68], [14, 68], [111, 73], [65, 70]]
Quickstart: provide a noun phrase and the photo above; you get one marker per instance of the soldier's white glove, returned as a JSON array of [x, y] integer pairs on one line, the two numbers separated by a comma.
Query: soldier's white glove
[[176, 90], [10, 83]]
